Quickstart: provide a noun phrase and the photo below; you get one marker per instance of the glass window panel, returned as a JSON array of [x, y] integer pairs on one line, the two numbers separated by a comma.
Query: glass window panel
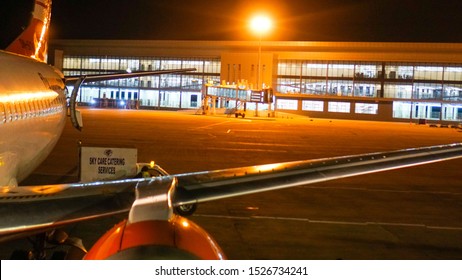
[[91, 63], [70, 62], [110, 63], [427, 91], [309, 105], [287, 104], [149, 98], [198, 64], [340, 87], [339, 107], [212, 66], [452, 112], [171, 64], [367, 71], [287, 85], [341, 70], [399, 71], [192, 82], [88, 94], [453, 73], [366, 108], [289, 68], [428, 73], [421, 110], [401, 110], [398, 91], [314, 69], [314, 86], [452, 92], [366, 89]]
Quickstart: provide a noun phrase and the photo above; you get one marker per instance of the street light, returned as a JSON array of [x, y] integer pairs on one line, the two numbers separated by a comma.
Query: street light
[[260, 24]]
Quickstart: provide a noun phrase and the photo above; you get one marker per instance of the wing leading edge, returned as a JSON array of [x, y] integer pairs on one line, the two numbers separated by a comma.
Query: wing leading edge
[[27, 210], [212, 185]]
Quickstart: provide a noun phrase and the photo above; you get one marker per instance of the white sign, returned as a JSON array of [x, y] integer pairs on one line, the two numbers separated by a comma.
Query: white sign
[[102, 164]]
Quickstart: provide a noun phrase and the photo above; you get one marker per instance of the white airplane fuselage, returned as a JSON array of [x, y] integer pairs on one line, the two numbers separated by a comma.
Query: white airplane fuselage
[[32, 115]]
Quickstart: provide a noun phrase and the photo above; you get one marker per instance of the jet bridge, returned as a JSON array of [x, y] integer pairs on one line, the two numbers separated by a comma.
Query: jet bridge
[[219, 96]]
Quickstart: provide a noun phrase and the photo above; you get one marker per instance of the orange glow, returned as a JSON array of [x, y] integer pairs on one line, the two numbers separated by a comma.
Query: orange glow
[[261, 24], [48, 189], [28, 95], [268, 167]]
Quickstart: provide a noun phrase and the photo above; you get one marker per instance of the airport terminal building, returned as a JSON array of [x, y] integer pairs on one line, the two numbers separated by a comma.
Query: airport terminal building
[[347, 80]]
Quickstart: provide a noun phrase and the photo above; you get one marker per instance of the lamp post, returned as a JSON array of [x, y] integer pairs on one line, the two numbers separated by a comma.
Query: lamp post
[[260, 25]]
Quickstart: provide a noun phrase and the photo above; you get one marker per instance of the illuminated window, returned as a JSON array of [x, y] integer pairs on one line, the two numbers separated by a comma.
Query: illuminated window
[[315, 69], [452, 92], [427, 91], [341, 70], [401, 110], [339, 107], [452, 112], [287, 104], [398, 91], [308, 105], [289, 67], [453, 73], [366, 108], [2, 113], [428, 73]]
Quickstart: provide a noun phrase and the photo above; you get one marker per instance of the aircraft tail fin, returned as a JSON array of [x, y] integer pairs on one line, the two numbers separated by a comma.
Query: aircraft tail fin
[[33, 40]]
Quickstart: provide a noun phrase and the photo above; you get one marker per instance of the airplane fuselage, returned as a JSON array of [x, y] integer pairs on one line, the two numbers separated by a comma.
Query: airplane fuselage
[[32, 114]]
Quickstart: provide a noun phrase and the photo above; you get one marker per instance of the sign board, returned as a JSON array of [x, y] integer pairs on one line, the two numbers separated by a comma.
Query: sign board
[[102, 164], [256, 96]]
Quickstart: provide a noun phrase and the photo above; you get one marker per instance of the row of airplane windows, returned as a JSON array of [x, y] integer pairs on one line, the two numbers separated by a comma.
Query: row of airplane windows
[[32, 108]]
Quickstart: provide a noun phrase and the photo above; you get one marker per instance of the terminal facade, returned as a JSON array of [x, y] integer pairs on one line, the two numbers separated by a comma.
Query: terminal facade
[[367, 81]]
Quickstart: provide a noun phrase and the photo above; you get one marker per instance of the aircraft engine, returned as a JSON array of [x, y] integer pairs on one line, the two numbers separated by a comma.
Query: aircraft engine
[[177, 238]]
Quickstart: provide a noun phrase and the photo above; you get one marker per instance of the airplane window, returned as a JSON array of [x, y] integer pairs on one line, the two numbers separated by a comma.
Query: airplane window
[[2, 113], [33, 107], [22, 110], [28, 111], [16, 112], [41, 107], [9, 110]]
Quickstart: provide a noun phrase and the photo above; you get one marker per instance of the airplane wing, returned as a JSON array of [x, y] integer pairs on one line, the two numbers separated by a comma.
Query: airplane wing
[[211, 185], [124, 75], [28, 210]]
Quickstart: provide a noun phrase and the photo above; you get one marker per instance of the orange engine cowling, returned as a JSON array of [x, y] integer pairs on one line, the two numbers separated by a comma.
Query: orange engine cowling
[[177, 238]]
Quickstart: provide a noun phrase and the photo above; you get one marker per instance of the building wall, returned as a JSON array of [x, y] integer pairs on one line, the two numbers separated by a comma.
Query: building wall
[[239, 67], [377, 81]]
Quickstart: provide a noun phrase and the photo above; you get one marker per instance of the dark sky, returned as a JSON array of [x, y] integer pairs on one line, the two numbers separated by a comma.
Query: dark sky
[[294, 20]]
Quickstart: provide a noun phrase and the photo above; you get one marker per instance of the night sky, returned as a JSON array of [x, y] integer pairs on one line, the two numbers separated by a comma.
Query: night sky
[[294, 20]]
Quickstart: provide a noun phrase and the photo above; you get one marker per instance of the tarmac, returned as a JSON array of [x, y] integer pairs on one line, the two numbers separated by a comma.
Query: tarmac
[[412, 213]]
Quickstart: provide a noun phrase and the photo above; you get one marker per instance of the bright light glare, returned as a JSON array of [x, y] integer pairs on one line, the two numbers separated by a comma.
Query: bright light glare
[[261, 24]]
